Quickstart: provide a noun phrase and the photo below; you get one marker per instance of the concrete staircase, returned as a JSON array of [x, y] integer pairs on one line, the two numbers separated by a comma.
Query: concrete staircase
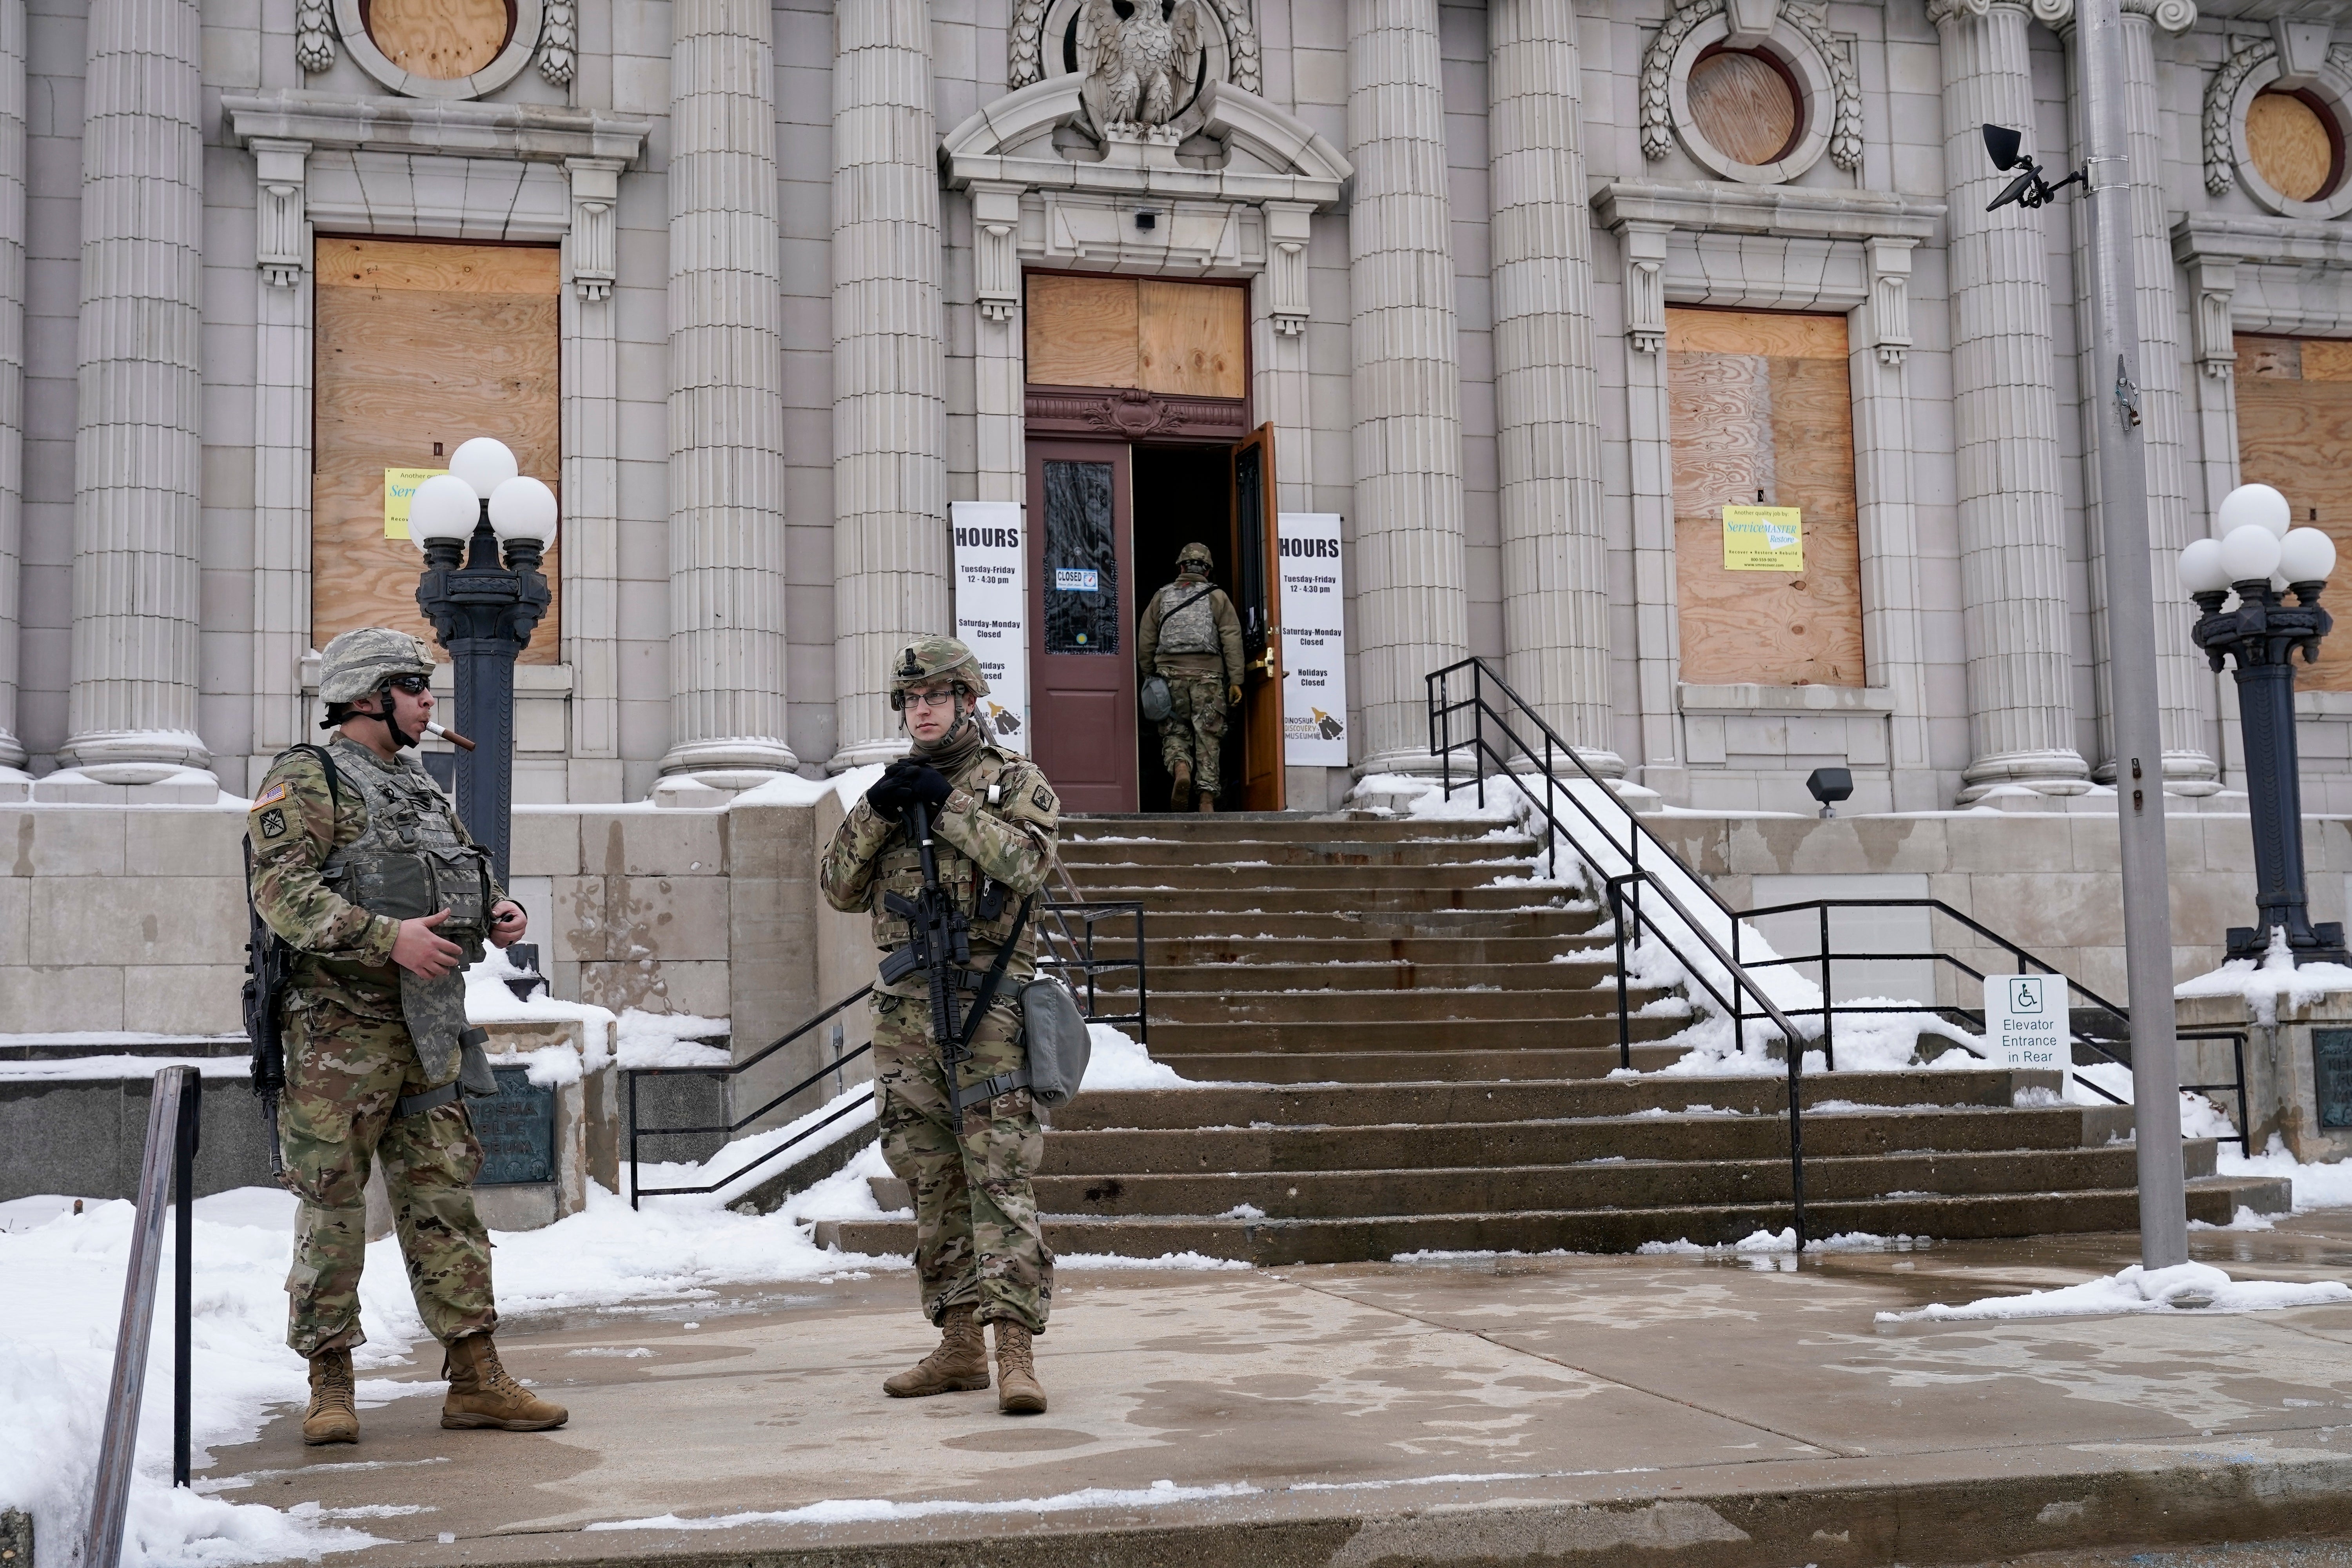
[[1420, 1060]]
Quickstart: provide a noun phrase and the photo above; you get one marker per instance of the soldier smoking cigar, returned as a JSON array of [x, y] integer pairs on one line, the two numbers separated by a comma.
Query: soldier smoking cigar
[[361, 866]]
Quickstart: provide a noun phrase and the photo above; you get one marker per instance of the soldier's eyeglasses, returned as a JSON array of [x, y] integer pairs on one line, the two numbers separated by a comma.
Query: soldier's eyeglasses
[[415, 685], [931, 699]]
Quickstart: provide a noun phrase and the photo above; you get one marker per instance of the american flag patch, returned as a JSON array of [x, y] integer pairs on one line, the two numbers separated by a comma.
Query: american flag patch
[[270, 797]]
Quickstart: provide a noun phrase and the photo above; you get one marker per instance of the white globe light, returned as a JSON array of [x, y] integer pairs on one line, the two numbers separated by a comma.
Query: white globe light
[[2252, 504], [2250, 554], [2201, 571], [444, 507], [2307, 555], [523, 509], [486, 464]]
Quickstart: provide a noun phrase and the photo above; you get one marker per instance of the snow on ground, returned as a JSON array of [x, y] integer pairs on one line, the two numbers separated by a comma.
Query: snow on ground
[[1764, 1242], [861, 1510], [61, 1293], [2184, 1286], [2315, 1186]]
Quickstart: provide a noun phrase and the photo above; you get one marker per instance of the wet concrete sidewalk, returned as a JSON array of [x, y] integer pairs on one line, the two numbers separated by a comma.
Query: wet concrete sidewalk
[[1712, 1410]]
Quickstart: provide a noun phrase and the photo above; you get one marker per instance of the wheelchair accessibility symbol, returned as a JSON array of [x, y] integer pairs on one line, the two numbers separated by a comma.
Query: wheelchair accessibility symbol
[[2024, 993]]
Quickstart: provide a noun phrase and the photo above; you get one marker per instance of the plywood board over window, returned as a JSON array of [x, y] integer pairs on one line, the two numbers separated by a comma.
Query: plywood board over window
[[1762, 408], [1185, 339], [421, 346], [2294, 431]]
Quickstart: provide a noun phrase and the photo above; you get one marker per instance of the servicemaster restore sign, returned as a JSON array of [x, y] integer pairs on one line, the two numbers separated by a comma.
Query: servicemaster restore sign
[[1763, 538]]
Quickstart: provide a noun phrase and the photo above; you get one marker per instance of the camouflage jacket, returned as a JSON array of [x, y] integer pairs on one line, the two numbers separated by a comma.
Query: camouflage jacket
[[1149, 659], [998, 828], [293, 824]]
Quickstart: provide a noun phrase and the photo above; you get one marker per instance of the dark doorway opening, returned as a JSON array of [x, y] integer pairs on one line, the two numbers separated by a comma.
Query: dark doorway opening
[[1181, 494]]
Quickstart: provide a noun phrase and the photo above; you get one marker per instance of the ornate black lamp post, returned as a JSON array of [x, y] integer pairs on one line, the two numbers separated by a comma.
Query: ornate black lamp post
[[2256, 553], [484, 610]]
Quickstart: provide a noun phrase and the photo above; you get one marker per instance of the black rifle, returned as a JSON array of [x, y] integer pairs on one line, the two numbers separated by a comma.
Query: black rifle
[[266, 958], [939, 942]]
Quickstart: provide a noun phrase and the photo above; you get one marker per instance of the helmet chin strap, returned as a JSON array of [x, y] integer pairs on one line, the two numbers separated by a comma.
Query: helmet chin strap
[[401, 739]]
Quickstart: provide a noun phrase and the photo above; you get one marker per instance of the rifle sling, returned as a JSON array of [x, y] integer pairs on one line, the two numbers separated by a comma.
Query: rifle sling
[[979, 1010]]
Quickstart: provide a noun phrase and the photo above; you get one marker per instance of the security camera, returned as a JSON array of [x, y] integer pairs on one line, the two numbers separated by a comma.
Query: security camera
[[2030, 189]]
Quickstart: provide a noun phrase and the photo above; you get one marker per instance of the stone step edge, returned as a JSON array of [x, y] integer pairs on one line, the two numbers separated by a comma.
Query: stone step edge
[[1217, 1235], [1760, 1515]]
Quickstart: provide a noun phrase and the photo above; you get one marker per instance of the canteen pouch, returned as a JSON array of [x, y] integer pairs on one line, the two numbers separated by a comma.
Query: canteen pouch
[[1157, 702], [1054, 1033]]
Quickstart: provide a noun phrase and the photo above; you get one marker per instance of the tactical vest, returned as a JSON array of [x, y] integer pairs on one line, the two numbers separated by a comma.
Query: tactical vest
[[1194, 628], [408, 862], [989, 905]]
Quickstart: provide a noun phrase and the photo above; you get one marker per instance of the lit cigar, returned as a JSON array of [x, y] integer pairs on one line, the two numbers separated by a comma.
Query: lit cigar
[[451, 736]]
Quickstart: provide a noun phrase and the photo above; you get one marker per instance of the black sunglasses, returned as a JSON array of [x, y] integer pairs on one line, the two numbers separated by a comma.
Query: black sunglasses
[[415, 685]]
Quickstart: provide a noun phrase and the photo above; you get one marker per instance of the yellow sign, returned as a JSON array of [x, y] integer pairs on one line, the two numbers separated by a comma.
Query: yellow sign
[[1763, 538], [399, 487]]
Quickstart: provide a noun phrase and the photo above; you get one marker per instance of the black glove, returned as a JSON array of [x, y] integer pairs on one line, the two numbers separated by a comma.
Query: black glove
[[889, 795], [922, 782]]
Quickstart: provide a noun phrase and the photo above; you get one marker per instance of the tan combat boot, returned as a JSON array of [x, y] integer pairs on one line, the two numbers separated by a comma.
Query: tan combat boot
[[333, 1417], [482, 1392], [1204, 801], [1180, 793], [959, 1365], [1018, 1393]]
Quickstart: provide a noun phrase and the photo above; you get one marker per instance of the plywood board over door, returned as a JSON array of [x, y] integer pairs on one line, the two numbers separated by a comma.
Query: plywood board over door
[[2295, 432], [1761, 404], [1184, 339], [421, 346]]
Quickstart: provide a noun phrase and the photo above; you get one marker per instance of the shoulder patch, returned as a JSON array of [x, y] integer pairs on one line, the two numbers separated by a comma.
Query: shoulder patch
[[273, 823], [1041, 798], [270, 797]]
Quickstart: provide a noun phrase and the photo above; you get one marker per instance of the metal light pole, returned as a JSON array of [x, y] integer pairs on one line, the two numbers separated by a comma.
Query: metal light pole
[[2261, 636], [2131, 632], [484, 611]]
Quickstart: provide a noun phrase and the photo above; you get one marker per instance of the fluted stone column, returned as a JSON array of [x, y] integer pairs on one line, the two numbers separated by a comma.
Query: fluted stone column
[[137, 452], [891, 554], [1411, 607], [2011, 515], [11, 377], [726, 397], [2184, 684], [1548, 426]]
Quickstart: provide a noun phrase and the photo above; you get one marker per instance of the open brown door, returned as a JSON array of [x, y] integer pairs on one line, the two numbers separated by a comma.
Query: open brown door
[[1081, 603], [1257, 574]]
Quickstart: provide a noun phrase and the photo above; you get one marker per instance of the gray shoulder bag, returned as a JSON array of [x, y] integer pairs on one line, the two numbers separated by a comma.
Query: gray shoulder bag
[[1054, 1032]]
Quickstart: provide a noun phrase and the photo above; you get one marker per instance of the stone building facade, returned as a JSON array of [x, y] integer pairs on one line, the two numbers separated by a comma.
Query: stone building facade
[[1512, 286]]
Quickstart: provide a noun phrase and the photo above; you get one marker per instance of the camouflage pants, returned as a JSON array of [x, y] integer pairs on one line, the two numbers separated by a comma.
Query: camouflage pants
[[977, 1239], [1194, 730], [343, 1074]]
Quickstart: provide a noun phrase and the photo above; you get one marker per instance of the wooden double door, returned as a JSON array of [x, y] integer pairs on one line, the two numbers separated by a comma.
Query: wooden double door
[[1108, 520]]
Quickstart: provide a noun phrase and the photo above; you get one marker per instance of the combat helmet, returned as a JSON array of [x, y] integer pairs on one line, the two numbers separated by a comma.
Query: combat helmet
[[359, 662], [1195, 552], [926, 659]]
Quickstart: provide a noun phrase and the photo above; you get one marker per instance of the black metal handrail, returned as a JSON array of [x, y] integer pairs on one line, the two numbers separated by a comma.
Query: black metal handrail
[[1624, 888], [2028, 962], [1082, 959], [167, 1170]]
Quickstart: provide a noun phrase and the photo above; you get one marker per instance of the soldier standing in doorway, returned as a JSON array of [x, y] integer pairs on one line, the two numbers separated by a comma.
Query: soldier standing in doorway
[[1191, 638], [979, 1253], [360, 864]]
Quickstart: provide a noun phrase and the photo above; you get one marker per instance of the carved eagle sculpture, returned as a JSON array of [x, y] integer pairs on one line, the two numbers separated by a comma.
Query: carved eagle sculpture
[[1140, 60]]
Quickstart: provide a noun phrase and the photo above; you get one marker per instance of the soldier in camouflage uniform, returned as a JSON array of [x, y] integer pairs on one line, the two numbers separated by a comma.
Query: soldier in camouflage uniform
[[980, 1254], [345, 837], [1191, 637]]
